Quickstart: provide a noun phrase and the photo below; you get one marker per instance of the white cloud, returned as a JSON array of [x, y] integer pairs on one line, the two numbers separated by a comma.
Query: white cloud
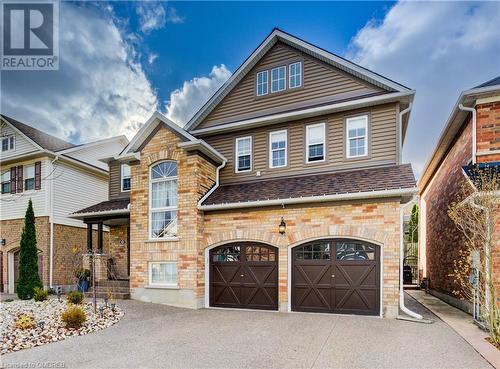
[[152, 15], [99, 90], [152, 57], [438, 48], [173, 16], [186, 101]]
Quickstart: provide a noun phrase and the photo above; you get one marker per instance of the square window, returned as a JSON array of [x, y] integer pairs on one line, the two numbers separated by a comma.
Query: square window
[[278, 79], [163, 273]]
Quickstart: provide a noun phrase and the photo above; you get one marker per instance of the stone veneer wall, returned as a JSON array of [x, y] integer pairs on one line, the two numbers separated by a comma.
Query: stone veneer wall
[[376, 221], [195, 176]]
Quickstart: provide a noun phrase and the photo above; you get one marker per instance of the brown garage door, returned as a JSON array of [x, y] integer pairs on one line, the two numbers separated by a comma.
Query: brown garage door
[[244, 275], [336, 276]]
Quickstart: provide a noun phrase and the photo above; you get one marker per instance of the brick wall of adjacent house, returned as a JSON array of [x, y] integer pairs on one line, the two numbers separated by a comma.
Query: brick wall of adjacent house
[[117, 249], [488, 131], [376, 221], [443, 239], [195, 176]]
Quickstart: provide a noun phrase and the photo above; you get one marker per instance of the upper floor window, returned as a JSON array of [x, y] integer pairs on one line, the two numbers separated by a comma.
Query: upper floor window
[[315, 142], [8, 143], [277, 149], [244, 154], [356, 136], [262, 83], [163, 200], [295, 75], [29, 177], [125, 174], [278, 79], [6, 181]]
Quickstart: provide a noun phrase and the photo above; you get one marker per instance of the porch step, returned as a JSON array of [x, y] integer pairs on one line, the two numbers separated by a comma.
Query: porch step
[[116, 295]]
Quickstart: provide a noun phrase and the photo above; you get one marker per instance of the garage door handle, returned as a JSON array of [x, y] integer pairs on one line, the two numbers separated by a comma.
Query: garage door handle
[[333, 275], [242, 275]]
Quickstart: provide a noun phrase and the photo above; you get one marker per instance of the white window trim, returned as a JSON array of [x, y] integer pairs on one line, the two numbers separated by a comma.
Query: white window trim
[[257, 82], [8, 143], [168, 208], [290, 75], [285, 78], [307, 143], [271, 148], [150, 274], [236, 156], [348, 139], [122, 177]]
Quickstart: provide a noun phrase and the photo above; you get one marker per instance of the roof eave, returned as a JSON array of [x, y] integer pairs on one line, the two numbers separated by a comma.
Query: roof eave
[[99, 213]]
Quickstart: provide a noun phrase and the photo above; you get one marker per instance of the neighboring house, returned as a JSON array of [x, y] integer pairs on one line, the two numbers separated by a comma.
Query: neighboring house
[[471, 137], [284, 192], [59, 178]]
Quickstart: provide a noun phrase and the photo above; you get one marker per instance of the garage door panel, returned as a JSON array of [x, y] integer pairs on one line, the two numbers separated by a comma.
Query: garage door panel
[[315, 300]]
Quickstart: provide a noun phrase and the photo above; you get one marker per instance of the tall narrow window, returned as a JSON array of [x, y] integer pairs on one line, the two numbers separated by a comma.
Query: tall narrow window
[[262, 82], [29, 177], [277, 149], [125, 171], [8, 143], [6, 181], [315, 141], [163, 200], [356, 136], [278, 79], [295, 75], [244, 154]]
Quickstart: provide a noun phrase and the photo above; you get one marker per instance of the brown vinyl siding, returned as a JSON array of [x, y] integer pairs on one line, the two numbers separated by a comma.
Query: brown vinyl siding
[[382, 149], [114, 181], [321, 83]]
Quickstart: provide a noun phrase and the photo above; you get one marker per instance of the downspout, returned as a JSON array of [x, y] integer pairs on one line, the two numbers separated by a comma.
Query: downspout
[[473, 111], [215, 186], [51, 221], [401, 113]]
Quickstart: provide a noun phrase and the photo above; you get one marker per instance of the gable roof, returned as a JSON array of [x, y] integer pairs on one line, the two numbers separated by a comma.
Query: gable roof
[[310, 49], [42, 139]]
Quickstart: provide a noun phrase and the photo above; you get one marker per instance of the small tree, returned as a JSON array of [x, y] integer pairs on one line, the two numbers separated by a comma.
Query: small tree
[[413, 225], [476, 213], [28, 257]]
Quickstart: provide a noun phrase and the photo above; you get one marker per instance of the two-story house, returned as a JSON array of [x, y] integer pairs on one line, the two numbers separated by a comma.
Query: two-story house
[[284, 192], [60, 178], [470, 139]]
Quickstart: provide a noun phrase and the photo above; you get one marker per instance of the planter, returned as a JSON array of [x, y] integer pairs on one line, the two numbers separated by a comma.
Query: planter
[[83, 285]]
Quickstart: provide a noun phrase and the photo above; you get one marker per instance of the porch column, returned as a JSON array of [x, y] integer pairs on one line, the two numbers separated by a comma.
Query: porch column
[[99, 238], [89, 237]]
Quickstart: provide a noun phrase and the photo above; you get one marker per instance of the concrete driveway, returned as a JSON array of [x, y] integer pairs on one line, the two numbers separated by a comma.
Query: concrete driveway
[[156, 336]]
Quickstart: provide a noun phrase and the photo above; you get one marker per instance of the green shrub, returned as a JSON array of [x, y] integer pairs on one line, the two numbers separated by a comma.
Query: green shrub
[[25, 321], [39, 294], [82, 274], [75, 297], [74, 317]]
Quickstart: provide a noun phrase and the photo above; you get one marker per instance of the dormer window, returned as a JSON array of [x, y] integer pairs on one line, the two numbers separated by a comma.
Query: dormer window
[[262, 82], [8, 143], [278, 79], [125, 172]]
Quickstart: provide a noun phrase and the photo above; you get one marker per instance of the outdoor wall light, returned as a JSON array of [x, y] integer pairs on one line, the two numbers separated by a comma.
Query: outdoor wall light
[[282, 226]]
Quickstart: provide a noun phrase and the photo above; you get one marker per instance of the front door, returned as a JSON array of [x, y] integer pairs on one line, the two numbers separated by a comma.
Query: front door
[[336, 276]]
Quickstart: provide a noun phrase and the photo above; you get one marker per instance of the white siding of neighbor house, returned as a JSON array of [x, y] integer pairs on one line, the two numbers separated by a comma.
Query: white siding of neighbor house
[[22, 145], [74, 189], [93, 153], [13, 206]]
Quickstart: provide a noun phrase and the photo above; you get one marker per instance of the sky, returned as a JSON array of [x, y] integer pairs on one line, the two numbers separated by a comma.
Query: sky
[[120, 61]]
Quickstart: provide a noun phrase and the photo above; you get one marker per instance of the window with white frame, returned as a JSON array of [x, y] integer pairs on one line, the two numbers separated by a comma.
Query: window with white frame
[[163, 274], [29, 177], [244, 154], [6, 181], [295, 75], [262, 83], [356, 136], [315, 142], [125, 173], [277, 149], [163, 200], [8, 143], [278, 79]]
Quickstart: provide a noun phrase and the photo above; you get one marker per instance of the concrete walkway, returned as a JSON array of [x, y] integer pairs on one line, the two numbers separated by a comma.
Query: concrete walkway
[[156, 336], [461, 323]]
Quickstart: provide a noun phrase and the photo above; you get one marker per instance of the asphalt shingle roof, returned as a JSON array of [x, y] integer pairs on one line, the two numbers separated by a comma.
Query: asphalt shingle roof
[[492, 82], [104, 206]]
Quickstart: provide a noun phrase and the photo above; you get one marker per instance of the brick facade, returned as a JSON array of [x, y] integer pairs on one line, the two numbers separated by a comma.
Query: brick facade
[[488, 132], [117, 248]]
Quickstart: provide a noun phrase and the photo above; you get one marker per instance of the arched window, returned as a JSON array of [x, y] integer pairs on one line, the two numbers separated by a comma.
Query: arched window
[[163, 200]]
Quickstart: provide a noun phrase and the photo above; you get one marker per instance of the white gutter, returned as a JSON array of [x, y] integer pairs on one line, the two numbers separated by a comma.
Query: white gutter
[[104, 212], [216, 185], [299, 200], [51, 221], [473, 111], [400, 132], [401, 260]]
